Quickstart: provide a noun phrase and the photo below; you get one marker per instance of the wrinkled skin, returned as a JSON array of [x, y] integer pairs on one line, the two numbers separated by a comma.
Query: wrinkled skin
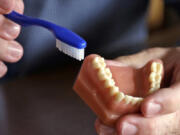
[[160, 112], [10, 50]]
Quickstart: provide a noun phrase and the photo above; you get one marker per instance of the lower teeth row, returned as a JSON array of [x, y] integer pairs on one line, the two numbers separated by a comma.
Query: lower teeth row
[[104, 74]]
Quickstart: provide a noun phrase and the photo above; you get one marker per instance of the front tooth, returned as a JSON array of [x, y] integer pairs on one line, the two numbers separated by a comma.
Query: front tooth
[[119, 96], [109, 83], [98, 63], [152, 77], [114, 90], [96, 60], [159, 68], [154, 67], [128, 99], [101, 59]]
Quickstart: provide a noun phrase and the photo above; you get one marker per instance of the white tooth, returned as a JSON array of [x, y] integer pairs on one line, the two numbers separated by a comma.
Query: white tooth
[[158, 78], [102, 64], [114, 90], [109, 83], [151, 90], [159, 68], [108, 72], [157, 86], [154, 67], [119, 96], [101, 59], [153, 84], [96, 60], [98, 63], [152, 77], [102, 75], [139, 100], [128, 99], [134, 100]]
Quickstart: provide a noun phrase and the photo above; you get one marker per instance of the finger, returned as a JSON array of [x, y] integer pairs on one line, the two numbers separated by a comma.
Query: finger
[[3, 69], [140, 59], [139, 125], [102, 129], [10, 51], [6, 6], [8, 29], [164, 101], [19, 6]]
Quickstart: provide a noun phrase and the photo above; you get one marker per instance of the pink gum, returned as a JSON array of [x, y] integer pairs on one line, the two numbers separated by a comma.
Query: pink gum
[[91, 89]]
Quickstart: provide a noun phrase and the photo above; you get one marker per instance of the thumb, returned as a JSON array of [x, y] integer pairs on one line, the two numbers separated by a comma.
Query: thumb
[[6, 6], [140, 59], [164, 101]]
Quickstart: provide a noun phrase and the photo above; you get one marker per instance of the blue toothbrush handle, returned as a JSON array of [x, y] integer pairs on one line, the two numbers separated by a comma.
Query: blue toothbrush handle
[[61, 33], [27, 20]]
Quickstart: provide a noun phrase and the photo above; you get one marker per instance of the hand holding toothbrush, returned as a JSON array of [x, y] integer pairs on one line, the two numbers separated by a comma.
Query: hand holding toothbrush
[[10, 50]]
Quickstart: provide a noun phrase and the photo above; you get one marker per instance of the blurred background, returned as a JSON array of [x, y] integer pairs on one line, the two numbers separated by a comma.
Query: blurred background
[[36, 94]]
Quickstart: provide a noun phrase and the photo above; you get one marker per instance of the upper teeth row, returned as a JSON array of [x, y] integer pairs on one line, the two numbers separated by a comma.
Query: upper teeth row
[[155, 76], [104, 74]]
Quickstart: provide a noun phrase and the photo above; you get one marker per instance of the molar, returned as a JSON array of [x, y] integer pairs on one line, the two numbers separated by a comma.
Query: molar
[[154, 67], [119, 96], [114, 90], [151, 90], [152, 77], [109, 83], [158, 78], [139, 100], [136, 100], [152, 85], [128, 99], [159, 68], [157, 86]]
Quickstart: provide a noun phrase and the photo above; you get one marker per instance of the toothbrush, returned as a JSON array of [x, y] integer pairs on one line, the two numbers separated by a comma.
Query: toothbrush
[[66, 41]]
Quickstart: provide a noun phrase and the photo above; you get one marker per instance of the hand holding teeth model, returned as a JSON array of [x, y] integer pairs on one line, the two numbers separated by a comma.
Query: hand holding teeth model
[[112, 89]]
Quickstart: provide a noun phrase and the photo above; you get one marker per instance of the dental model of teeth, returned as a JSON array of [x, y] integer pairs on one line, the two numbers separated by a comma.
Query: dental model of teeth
[[112, 90], [155, 76], [104, 74]]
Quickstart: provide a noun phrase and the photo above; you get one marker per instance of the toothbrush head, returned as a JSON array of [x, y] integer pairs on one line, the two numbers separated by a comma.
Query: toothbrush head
[[77, 53]]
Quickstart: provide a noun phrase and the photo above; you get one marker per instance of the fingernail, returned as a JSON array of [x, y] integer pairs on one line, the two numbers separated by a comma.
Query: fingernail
[[153, 109], [129, 129], [6, 5], [3, 69], [14, 51], [10, 29]]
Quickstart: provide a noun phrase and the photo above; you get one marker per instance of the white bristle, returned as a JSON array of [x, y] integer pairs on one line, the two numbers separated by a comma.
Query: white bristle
[[69, 50]]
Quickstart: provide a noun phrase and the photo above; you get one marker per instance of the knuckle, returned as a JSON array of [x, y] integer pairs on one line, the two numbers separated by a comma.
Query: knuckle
[[151, 127]]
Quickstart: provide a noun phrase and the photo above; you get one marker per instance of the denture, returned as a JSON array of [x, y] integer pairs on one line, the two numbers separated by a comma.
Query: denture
[[112, 89]]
